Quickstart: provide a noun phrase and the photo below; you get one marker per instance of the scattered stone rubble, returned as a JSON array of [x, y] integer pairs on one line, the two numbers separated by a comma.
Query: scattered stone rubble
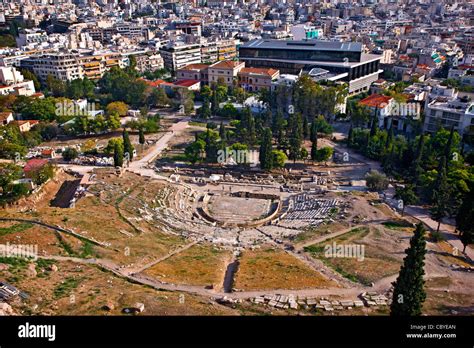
[[291, 301]]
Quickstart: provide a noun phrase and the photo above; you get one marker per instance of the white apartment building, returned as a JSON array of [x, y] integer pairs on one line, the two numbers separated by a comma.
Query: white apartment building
[[444, 108], [28, 37], [13, 82], [177, 55], [63, 66], [149, 62]]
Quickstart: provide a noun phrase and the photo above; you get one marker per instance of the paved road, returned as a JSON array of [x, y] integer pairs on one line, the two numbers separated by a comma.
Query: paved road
[[422, 214], [419, 213], [142, 166]]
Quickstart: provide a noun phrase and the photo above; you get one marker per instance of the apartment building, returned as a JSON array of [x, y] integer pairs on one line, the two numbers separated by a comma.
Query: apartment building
[[28, 37], [226, 49], [13, 82], [226, 70], [449, 112], [93, 66], [149, 61], [177, 55], [209, 52], [63, 66]]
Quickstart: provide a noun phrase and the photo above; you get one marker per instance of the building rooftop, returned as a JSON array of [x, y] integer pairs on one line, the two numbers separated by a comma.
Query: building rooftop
[[259, 71], [186, 83], [227, 64], [195, 67], [376, 100], [311, 45], [35, 163]]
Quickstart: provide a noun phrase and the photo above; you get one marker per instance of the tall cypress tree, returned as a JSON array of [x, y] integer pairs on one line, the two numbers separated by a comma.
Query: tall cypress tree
[[296, 135], [314, 150], [416, 168], [441, 193], [141, 136], [373, 128], [305, 128], [449, 144], [350, 136], [127, 144], [222, 132], [118, 155], [465, 218], [389, 138], [409, 293], [265, 155], [314, 130]]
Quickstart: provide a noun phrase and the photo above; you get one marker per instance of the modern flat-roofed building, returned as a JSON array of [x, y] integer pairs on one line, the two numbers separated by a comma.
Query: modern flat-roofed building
[[343, 59], [63, 66], [449, 112], [178, 55]]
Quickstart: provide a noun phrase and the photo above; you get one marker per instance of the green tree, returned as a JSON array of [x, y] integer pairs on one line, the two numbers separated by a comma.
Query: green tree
[[56, 87], [112, 121], [314, 150], [441, 193], [127, 144], [222, 133], [279, 159], [70, 153], [465, 218], [265, 154], [406, 195], [205, 110], [195, 150], [118, 154], [141, 136], [39, 109], [29, 75], [119, 108], [376, 181], [409, 293], [158, 97], [295, 125], [323, 154]]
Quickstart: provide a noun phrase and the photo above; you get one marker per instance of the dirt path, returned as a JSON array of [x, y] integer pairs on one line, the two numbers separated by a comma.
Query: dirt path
[[58, 229], [321, 239], [422, 214], [132, 271]]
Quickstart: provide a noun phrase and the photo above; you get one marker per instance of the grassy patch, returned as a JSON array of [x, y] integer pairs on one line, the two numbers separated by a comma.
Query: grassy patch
[[374, 265], [198, 265], [15, 228], [396, 224], [87, 250], [273, 269], [65, 245], [65, 288]]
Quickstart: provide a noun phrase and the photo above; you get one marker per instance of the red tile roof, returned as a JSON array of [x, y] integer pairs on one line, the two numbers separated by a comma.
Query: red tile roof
[[259, 71], [21, 122], [376, 100], [5, 115], [226, 64], [186, 83], [195, 67], [155, 83], [35, 163]]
